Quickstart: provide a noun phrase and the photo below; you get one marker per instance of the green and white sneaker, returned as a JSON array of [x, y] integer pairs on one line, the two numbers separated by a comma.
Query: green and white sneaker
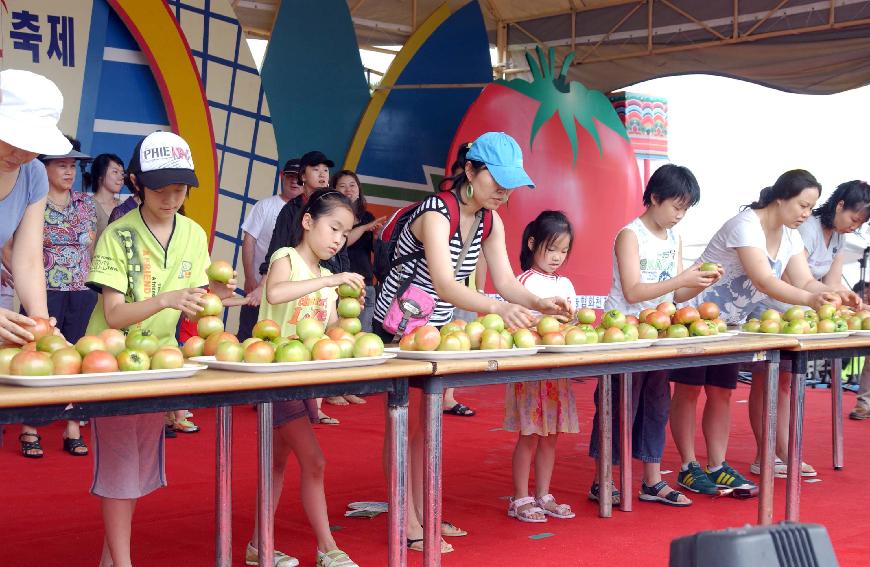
[[696, 479], [727, 477]]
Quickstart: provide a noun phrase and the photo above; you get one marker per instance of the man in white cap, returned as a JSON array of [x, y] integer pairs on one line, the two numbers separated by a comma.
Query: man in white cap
[[258, 228]]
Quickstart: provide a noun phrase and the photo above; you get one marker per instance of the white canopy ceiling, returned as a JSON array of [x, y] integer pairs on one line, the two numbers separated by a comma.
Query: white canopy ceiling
[[807, 46]]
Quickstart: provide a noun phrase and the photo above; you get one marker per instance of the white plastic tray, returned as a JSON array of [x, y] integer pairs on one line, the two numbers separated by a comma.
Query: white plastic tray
[[436, 355], [809, 337], [100, 378], [598, 347], [694, 340], [273, 367], [861, 333]]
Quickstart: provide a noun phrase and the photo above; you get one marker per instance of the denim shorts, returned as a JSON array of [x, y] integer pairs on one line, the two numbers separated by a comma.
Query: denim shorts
[[650, 408]]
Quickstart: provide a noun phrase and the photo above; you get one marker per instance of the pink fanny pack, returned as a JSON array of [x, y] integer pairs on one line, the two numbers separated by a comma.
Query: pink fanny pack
[[412, 306], [409, 311]]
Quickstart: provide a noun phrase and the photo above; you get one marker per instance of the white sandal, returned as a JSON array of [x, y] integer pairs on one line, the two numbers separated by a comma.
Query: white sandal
[[334, 558], [780, 469], [562, 511], [278, 559], [526, 514]]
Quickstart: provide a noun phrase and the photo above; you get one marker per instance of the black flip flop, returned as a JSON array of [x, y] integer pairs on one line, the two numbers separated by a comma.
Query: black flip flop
[[461, 410]]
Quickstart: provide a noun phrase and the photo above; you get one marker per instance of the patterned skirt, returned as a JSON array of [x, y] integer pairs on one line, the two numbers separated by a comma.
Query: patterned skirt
[[541, 408]]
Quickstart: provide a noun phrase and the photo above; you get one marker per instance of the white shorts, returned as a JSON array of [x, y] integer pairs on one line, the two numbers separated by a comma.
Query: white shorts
[[128, 455]]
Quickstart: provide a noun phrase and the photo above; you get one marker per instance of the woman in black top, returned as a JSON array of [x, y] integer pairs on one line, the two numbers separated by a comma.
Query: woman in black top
[[360, 241], [360, 247]]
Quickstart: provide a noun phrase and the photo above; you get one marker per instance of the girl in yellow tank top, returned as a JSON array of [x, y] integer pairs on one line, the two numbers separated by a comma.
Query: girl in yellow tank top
[[298, 288]]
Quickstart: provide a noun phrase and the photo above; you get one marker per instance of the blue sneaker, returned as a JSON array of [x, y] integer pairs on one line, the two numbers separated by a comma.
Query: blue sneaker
[[697, 480], [727, 477]]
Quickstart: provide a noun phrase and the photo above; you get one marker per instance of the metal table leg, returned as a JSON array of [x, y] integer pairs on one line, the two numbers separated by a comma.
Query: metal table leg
[[768, 445], [433, 400], [625, 426], [605, 440], [837, 411], [398, 457], [795, 444], [265, 534], [223, 488]]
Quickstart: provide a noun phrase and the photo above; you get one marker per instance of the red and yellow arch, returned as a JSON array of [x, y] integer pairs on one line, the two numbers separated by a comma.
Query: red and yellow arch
[[163, 43]]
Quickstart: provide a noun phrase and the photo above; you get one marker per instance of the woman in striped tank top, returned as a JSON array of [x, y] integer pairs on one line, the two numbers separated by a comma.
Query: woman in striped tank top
[[491, 167]]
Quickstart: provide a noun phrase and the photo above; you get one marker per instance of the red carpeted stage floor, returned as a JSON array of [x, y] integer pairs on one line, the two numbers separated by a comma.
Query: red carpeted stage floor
[[48, 518]]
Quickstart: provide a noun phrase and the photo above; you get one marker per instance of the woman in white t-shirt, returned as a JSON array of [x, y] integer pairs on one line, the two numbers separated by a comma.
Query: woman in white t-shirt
[[756, 248], [823, 236]]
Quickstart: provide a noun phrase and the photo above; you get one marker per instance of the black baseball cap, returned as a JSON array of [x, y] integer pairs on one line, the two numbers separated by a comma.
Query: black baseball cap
[[292, 165], [315, 158]]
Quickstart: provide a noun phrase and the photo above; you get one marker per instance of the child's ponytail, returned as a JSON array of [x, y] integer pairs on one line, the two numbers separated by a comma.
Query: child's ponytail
[[546, 228], [527, 253]]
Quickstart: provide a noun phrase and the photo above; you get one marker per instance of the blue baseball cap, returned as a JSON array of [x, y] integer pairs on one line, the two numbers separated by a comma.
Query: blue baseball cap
[[503, 158]]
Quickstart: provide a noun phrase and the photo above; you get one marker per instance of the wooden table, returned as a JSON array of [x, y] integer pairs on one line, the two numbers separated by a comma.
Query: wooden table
[[799, 356], [213, 388], [458, 373]]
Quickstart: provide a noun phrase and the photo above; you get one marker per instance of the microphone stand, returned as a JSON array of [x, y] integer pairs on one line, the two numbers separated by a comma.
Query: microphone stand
[[862, 264], [862, 277]]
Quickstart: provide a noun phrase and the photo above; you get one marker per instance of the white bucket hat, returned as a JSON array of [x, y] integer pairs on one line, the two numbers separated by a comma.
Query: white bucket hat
[[30, 107]]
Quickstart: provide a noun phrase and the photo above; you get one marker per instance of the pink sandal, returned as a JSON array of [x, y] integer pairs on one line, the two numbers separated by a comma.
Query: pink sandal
[[527, 514], [561, 511]]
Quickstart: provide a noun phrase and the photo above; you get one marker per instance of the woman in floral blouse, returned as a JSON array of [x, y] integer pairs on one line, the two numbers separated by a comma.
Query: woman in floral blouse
[[68, 243]]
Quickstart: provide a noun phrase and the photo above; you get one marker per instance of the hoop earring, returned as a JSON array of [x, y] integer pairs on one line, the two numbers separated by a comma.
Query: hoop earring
[[469, 191]]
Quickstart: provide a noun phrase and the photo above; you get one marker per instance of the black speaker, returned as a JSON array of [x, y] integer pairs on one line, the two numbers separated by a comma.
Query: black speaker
[[781, 545]]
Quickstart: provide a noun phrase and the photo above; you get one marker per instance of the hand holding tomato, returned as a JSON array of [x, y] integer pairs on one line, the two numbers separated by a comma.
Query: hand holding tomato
[[850, 298], [350, 278], [223, 290], [694, 277], [514, 316], [558, 306], [188, 301], [821, 298], [16, 328]]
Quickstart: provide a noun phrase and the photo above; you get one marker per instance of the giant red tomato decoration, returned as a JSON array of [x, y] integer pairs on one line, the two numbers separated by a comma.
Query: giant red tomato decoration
[[576, 151]]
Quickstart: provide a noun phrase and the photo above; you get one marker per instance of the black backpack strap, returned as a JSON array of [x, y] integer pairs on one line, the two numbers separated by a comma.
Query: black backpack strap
[[406, 283], [407, 258]]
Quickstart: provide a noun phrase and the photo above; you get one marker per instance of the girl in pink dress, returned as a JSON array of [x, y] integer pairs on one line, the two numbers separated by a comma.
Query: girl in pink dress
[[541, 410]]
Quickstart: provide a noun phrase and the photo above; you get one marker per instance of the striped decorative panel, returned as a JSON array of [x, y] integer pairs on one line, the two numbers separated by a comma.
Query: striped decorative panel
[[646, 121], [244, 138]]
